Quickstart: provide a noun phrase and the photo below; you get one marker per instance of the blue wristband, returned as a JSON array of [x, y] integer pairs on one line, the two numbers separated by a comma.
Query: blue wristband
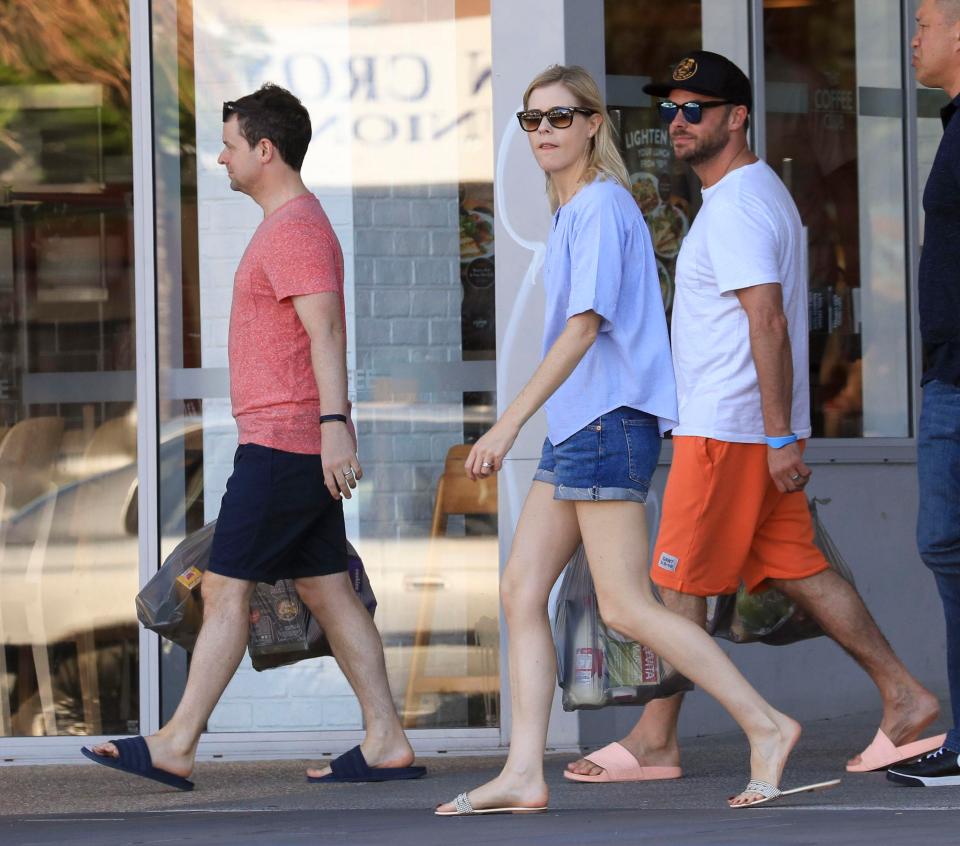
[[781, 441]]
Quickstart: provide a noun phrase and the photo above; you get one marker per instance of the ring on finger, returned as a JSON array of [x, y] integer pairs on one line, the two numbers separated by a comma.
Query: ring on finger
[[348, 471], [796, 477], [486, 464]]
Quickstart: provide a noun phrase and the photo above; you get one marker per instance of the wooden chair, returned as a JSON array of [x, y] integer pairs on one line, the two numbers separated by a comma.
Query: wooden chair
[[32, 609], [113, 443], [456, 494], [28, 455]]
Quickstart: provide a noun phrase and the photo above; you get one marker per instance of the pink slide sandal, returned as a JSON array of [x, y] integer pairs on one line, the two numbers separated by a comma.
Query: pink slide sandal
[[619, 765], [881, 753]]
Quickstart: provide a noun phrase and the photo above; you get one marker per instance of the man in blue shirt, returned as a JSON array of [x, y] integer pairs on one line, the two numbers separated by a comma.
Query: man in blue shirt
[[936, 57]]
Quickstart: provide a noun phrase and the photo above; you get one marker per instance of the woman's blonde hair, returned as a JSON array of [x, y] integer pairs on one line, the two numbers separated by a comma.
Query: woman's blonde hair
[[603, 157]]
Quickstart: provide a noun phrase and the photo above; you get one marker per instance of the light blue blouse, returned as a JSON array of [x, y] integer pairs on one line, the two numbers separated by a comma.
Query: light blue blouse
[[600, 258]]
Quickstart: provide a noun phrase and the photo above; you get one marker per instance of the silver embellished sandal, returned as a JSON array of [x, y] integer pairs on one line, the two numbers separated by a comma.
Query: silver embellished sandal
[[769, 793], [465, 809]]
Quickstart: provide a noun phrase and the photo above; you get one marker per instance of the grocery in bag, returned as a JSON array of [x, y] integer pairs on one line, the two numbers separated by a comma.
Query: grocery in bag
[[282, 630], [769, 616], [597, 667]]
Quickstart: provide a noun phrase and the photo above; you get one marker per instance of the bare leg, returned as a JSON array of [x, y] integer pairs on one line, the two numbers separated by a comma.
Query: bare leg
[[908, 707], [546, 537], [613, 535], [653, 739], [220, 645], [359, 652]]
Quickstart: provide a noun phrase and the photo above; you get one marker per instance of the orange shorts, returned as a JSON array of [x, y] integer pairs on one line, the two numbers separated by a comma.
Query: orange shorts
[[724, 521]]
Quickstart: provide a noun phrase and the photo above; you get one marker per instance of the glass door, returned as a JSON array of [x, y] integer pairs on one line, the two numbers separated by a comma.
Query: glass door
[[401, 159], [68, 447], [835, 134]]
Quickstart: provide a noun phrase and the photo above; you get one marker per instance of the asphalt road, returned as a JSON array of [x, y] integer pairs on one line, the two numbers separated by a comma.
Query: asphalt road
[[270, 804], [772, 827]]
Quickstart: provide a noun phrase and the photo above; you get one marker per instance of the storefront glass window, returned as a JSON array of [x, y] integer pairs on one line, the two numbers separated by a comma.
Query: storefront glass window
[[402, 160], [835, 135], [68, 471], [640, 47]]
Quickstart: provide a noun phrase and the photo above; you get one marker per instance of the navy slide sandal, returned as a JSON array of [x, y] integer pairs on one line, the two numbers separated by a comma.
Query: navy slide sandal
[[135, 759], [352, 767]]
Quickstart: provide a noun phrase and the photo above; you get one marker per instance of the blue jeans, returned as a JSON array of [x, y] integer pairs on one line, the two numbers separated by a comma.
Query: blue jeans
[[938, 523]]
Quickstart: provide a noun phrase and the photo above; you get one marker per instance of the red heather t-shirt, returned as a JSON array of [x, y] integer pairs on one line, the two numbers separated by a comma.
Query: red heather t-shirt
[[272, 385]]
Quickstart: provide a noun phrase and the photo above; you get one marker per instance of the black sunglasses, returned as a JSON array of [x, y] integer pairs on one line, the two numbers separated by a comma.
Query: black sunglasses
[[559, 117], [231, 108], [692, 111]]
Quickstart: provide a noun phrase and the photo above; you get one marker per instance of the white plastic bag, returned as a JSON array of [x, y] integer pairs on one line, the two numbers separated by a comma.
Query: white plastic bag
[[597, 667], [769, 616]]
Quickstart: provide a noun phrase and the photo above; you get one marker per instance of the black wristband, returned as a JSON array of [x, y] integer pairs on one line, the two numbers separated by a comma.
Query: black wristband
[[331, 418]]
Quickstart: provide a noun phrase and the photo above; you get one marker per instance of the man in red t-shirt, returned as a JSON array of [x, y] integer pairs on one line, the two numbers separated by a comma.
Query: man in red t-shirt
[[282, 513]]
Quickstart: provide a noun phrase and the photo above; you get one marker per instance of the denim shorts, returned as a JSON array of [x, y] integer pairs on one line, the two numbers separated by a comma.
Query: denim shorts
[[613, 458]]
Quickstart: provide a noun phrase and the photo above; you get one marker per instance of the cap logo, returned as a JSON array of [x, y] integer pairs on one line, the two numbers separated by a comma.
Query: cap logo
[[684, 70]]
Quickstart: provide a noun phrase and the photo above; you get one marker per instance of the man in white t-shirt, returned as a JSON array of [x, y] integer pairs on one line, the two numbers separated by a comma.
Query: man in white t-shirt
[[734, 509]]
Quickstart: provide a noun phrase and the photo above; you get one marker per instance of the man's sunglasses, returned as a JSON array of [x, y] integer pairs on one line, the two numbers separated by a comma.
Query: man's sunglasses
[[692, 111], [559, 117], [231, 108]]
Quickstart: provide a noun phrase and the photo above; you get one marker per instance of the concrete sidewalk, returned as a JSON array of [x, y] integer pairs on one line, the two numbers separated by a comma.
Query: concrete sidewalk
[[270, 804]]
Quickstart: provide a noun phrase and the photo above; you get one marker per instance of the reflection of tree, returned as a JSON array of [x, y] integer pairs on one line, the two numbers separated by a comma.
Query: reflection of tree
[[68, 41], [175, 100]]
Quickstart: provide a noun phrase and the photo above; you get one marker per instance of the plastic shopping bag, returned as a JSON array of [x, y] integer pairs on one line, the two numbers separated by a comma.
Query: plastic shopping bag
[[597, 667], [769, 616], [282, 630], [170, 603]]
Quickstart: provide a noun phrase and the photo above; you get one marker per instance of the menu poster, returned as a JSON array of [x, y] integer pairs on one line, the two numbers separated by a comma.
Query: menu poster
[[666, 191], [477, 310]]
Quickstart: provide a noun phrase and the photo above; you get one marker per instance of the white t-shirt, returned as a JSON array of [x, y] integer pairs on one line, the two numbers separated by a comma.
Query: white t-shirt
[[748, 232]]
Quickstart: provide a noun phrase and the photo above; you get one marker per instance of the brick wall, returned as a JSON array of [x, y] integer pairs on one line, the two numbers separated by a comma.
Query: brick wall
[[407, 290]]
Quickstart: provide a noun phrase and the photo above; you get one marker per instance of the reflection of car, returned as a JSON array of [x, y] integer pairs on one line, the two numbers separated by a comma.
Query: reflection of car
[[104, 505], [83, 538]]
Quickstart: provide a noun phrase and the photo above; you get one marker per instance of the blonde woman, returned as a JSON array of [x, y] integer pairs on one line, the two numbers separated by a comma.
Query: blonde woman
[[606, 380]]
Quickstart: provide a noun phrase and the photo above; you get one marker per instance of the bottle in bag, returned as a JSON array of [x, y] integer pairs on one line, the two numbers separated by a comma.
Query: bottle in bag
[[587, 688]]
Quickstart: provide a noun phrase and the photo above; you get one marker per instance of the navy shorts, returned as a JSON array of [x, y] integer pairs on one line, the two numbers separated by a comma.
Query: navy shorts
[[277, 519], [612, 458]]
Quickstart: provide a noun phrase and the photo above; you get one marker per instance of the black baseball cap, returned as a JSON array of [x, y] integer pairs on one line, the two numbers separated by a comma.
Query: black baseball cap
[[708, 73]]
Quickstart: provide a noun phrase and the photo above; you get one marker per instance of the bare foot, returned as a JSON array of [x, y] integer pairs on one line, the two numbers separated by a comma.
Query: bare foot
[[506, 790], [906, 716], [768, 755], [162, 754], [395, 753], [647, 755]]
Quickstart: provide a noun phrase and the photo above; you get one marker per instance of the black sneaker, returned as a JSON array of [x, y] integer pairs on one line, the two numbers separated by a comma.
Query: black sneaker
[[938, 769]]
